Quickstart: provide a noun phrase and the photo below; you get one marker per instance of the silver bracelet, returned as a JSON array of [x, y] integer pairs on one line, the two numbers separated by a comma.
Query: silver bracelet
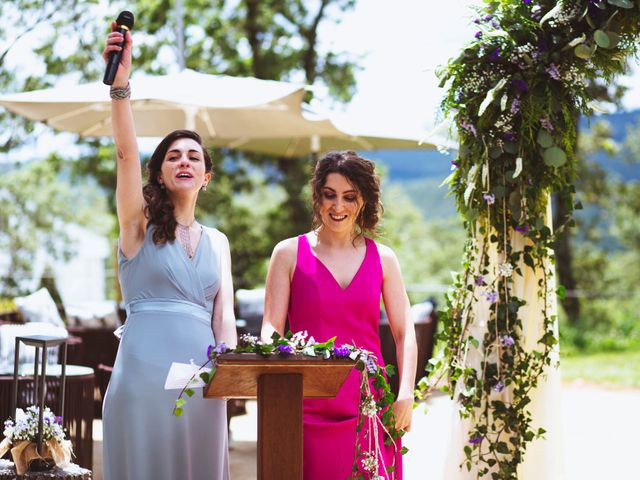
[[120, 93]]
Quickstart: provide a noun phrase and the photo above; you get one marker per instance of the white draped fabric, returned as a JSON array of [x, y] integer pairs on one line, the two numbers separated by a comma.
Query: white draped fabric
[[543, 458]]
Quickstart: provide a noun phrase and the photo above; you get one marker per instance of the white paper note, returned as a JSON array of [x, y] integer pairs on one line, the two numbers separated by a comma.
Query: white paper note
[[180, 374]]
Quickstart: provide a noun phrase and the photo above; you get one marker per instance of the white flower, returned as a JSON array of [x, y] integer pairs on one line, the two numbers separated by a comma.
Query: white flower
[[369, 462], [369, 407], [505, 269]]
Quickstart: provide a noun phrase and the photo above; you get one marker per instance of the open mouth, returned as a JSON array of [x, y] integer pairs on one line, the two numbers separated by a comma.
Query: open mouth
[[337, 218], [184, 175]]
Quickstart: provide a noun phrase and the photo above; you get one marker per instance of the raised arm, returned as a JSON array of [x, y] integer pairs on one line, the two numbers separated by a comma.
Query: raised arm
[[278, 288], [224, 317], [129, 199], [398, 309]]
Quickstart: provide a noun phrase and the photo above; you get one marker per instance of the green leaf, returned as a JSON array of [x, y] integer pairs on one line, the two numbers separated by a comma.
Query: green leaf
[[205, 376], [180, 402], [621, 3], [178, 412], [189, 392], [495, 152], [601, 38], [554, 157], [510, 147], [614, 39], [583, 51], [561, 291], [544, 139]]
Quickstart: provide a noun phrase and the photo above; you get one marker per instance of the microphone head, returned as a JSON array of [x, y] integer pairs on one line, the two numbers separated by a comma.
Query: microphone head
[[125, 18]]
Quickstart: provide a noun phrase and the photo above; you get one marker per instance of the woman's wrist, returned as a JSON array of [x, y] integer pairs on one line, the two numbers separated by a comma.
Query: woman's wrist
[[120, 92]]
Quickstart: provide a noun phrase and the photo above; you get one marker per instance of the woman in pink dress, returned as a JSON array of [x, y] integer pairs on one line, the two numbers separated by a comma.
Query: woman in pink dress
[[329, 282]]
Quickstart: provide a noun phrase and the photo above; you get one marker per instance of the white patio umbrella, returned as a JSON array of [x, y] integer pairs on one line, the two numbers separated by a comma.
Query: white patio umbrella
[[241, 113]]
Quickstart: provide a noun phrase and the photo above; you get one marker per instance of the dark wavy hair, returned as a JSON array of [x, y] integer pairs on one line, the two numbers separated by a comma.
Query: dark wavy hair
[[159, 208], [360, 173]]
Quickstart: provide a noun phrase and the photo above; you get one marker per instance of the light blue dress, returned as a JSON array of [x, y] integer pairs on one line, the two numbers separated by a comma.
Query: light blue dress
[[169, 300]]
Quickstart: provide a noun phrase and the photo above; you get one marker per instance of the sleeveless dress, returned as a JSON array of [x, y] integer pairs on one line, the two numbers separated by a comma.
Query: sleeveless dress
[[169, 301], [319, 305]]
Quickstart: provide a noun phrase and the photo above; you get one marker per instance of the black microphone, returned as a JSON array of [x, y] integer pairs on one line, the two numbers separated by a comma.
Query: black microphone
[[125, 23]]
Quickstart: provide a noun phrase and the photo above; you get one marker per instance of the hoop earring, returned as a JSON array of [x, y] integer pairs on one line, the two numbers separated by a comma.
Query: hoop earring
[[204, 187]]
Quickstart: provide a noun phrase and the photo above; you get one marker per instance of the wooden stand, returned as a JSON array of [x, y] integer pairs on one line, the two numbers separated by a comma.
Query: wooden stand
[[280, 384]]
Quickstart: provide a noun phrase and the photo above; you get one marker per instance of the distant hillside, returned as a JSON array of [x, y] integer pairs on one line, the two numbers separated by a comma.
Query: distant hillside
[[419, 172]]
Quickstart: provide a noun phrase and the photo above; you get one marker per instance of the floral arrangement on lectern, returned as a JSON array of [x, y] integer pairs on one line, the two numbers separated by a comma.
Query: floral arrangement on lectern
[[21, 435], [375, 415], [515, 94]]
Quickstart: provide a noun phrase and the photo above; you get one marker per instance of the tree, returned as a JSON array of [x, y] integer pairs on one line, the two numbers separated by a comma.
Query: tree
[[268, 39]]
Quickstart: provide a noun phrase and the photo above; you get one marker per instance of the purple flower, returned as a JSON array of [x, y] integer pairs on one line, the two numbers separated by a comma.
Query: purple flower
[[508, 136], [498, 387], [341, 352], [507, 341], [209, 350], [546, 124], [553, 71], [487, 17], [478, 34], [490, 198], [479, 281], [469, 127], [455, 164], [526, 2], [515, 106], [221, 348], [285, 349], [475, 440], [371, 365], [495, 55], [520, 85], [59, 420], [492, 297], [522, 228]]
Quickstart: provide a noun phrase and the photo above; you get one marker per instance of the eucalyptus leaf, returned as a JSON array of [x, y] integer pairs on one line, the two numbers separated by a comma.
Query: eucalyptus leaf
[[583, 51], [510, 147], [621, 3], [614, 39], [554, 157], [544, 139], [495, 152], [602, 39]]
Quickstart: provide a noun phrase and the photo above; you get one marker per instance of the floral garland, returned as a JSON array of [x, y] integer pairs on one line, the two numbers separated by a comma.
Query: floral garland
[[515, 94], [375, 415]]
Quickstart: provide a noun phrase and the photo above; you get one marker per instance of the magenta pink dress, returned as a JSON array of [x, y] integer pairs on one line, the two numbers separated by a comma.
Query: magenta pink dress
[[319, 305]]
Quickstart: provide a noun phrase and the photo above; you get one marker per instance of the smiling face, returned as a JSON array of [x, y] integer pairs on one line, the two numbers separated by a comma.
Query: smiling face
[[340, 204], [183, 169]]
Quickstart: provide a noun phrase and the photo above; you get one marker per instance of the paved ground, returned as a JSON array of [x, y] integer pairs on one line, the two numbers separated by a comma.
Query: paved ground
[[600, 432]]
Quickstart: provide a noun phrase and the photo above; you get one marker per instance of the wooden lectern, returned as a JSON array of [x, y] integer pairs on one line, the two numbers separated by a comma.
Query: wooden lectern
[[280, 383]]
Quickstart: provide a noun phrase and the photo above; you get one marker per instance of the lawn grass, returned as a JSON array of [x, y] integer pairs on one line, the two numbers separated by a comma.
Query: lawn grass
[[614, 369]]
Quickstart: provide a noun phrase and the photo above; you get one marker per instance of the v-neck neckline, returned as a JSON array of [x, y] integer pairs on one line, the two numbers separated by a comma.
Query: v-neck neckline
[[195, 251], [335, 281]]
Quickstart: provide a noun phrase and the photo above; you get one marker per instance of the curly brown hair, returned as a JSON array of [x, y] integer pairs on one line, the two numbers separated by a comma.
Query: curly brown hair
[[360, 173], [159, 208]]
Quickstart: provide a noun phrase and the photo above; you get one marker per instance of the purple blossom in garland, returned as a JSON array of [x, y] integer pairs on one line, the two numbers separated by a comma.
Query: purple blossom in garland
[[508, 136], [546, 124], [475, 440], [490, 198], [58, 420], [478, 34], [454, 164], [469, 127], [498, 387], [221, 348], [495, 55], [341, 352], [285, 349], [479, 281], [492, 297], [507, 341], [526, 2], [520, 85], [515, 105], [371, 365], [522, 228], [487, 17], [209, 350], [553, 71]]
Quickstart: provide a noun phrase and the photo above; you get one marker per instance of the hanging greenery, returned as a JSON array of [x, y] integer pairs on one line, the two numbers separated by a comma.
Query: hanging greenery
[[515, 94]]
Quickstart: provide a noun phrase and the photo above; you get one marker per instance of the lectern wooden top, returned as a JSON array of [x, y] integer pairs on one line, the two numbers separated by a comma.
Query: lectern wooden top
[[237, 374]]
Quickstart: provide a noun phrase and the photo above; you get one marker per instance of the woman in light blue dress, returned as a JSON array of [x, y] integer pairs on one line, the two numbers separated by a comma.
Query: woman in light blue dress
[[176, 282]]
